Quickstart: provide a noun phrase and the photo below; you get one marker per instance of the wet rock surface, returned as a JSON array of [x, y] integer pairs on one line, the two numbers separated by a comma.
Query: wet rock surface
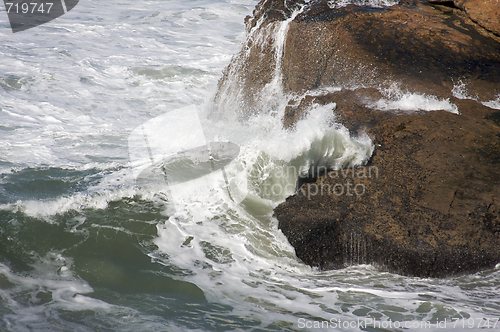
[[486, 13], [428, 201], [427, 204], [424, 47]]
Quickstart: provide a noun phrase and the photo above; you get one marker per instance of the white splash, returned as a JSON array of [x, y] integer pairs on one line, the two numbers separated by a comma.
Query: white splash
[[368, 3], [461, 91], [396, 99], [494, 103]]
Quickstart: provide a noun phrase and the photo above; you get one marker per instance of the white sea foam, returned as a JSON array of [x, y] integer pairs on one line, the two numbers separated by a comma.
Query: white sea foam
[[51, 288], [73, 91], [494, 103], [461, 91], [396, 99], [76, 87], [368, 3], [50, 285], [46, 209]]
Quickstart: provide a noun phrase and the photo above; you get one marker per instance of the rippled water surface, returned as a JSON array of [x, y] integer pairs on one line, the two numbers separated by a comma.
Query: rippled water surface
[[83, 247]]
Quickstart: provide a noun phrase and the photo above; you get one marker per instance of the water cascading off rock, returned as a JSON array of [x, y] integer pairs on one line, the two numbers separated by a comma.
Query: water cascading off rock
[[433, 209]]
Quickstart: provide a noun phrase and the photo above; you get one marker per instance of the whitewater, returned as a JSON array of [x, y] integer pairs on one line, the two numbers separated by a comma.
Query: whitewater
[[112, 89]]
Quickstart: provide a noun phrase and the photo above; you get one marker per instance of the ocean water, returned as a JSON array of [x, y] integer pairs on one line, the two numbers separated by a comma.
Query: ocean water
[[94, 237]]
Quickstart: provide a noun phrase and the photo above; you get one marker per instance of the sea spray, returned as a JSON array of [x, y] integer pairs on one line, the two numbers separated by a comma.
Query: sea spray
[[318, 140], [397, 99], [96, 252], [232, 96], [462, 89]]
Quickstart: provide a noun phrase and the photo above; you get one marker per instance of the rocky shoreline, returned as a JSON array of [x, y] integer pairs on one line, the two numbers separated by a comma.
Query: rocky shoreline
[[425, 205], [433, 207]]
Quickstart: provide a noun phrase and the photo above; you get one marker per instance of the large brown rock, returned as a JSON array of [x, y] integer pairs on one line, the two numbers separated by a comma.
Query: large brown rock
[[433, 208], [427, 204], [425, 48]]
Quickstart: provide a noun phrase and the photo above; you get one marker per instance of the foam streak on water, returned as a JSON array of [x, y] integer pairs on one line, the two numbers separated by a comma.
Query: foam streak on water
[[84, 248]]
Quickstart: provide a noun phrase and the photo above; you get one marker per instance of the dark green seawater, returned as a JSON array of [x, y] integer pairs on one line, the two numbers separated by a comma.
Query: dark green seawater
[[48, 261], [85, 247]]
